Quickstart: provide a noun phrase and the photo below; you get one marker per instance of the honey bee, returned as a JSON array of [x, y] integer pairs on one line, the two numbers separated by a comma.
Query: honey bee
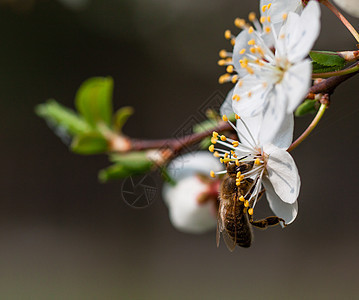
[[234, 220]]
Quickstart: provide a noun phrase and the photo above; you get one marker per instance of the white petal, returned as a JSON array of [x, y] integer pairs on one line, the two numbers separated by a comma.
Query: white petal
[[280, 7], [252, 93], [226, 108], [283, 174], [273, 117], [288, 212], [253, 125], [241, 43], [301, 33], [349, 6], [186, 214], [296, 83], [201, 162]]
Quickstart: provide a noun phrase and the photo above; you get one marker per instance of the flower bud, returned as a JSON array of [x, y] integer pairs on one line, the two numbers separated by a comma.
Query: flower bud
[[349, 6]]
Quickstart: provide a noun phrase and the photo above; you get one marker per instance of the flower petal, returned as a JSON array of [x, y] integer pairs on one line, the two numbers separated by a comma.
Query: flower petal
[[301, 33], [279, 8], [252, 96], [283, 174], [201, 162], [296, 83], [288, 212], [186, 214], [226, 108]]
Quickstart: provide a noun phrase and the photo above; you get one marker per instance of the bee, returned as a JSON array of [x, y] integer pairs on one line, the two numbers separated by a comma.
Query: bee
[[234, 220]]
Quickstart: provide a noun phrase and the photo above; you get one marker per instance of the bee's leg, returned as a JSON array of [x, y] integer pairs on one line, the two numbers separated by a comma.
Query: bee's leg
[[267, 222]]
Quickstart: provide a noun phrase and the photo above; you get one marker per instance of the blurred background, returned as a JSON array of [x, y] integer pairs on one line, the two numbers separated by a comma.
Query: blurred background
[[63, 235]]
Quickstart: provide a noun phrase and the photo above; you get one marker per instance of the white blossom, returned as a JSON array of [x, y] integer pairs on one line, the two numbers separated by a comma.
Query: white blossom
[[272, 82], [349, 6], [273, 167], [192, 200]]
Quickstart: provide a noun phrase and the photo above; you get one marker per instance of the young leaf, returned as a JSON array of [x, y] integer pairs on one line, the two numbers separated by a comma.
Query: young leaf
[[327, 58], [62, 117], [307, 107], [318, 68], [133, 160], [121, 117], [89, 143], [94, 100]]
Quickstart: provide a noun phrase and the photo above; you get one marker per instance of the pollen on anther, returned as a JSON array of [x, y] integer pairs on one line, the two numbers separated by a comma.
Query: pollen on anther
[[242, 51], [223, 54], [235, 143], [215, 134], [214, 140], [223, 138], [262, 20], [237, 163], [246, 203], [237, 117], [240, 23], [234, 78], [267, 29], [228, 34], [225, 118], [216, 154], [284, 17], [213, 175], [250, 30], [250, 211], [211, 148], [241, 198], [251, 42], [236, 98], [257, 161], [264, 8], [268, 19], [269, 5], [230, 69], [233, 42], [251, 16]]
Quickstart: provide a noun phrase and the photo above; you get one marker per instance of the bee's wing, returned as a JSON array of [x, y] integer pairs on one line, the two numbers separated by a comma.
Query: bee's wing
[[228, 240]]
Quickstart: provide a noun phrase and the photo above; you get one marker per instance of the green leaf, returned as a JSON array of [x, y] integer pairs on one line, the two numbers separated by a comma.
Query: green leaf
[[318, 68], [121, 117], [126, 165], [94, 100], [307, 107], [327, 58], [205, 126], [62, 117], [89, 143], [133, 161]]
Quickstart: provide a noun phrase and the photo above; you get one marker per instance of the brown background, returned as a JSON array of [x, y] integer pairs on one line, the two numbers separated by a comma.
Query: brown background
[[63, 235]]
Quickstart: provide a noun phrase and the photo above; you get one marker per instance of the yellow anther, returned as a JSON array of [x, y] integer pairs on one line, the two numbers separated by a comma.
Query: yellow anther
[[224, 78], [234, 78], [253, 50], [264, 8], [284, 17], [251, 42], [237, 117], [236, 98], [213, 175], [216, 154], [269, 5], [240, 23], [215, 134], [235, 144], [262, 20], [246, 203], [225, 119], [249, 94], [230, 69], [223, 138], [238, 183], [239, 174], [226, 155], [260, 50], [211, 148], [257, 161], [241, 198], [250, 211], [237, 163], [214, 140], [233, 42], [242, 51], [221, 160], [228, 34], [269, 19], [233, 153], [251, 16], [223, 54], [240, 83], [250, 70], [267, 29], [222, 62], [250, 30]]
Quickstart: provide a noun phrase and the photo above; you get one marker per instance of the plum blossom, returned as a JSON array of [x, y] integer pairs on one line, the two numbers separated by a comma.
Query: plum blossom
[[272, 81], [273, 167], [192, 201]]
